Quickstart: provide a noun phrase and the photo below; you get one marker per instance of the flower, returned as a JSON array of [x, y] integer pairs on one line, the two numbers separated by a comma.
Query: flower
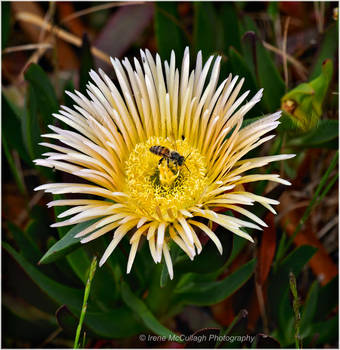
[[165, 193]]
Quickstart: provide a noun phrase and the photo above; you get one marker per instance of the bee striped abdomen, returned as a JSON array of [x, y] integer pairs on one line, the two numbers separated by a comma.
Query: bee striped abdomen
[[160, 151]]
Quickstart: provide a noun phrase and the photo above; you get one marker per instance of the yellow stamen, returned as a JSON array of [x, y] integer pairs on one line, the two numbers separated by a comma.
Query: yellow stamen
[[166, 176], [157, 187]]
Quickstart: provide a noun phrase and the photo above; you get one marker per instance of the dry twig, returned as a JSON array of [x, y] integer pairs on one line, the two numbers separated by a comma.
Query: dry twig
[[300, 68], [42, 39], [26, 47], [60, 33], [284, 50], [99, 8]]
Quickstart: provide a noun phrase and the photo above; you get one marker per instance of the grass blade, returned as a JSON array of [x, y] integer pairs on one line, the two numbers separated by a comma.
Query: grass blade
[[86, 296], [314, 200], [296, 308]]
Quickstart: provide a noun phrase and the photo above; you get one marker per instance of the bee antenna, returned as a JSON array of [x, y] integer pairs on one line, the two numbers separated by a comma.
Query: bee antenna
[[187, 156], [187, 167]]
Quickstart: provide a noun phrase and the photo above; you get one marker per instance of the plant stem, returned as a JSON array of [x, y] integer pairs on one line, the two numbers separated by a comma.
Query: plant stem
[[86, 296], [296, 306], [328, 187], [84, 340]]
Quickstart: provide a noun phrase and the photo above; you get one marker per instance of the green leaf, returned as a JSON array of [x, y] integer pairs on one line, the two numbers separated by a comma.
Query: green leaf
[[327, 130], [273, 10], [60, 270], [159, 303], [303, 104], [309, 309], [61, 294], [118, 323], [15, 172], [77, 259], [169, 35], [230, 25], [327, 49], [138, 306], [33, 325], [164, 276], [286, 316], [327, 299], [69, 86], [107, 275], [79, 262], [327, 331], [66, 320], [11, 123], [28, 248], [26, 311], [279, 282], [249, 121], [31, 130], [44, 91], [209, 293], [286, 319], [249, 48], [86, 63], [5, 22], [176, 254], [30, 125], [268, 76], [38, 228], [238, 245], [240, 67], [66, 244], [62, 230], [207, 37]]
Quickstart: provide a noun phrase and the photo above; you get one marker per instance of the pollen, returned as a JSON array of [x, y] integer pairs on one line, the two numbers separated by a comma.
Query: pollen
[[160, 190], [166, 175]]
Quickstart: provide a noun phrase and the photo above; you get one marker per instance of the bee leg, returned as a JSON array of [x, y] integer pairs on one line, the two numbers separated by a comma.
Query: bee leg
[[174, 171], [170, 167], [160, 161]]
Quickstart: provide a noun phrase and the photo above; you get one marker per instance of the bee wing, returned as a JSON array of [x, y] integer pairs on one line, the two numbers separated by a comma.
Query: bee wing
[[172, 140]]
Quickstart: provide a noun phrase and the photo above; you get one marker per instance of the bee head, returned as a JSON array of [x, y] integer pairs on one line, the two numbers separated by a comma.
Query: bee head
[[180, 160]]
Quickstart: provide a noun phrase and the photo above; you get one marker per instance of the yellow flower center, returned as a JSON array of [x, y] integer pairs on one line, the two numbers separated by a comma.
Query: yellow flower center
[[160, 190], [167, 174]]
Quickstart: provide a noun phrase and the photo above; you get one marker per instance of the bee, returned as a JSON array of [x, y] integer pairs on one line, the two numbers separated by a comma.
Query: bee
[[169, 155]]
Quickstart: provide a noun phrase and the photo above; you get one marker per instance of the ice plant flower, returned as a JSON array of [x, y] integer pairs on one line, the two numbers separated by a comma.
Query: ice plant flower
[[170, 193]]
